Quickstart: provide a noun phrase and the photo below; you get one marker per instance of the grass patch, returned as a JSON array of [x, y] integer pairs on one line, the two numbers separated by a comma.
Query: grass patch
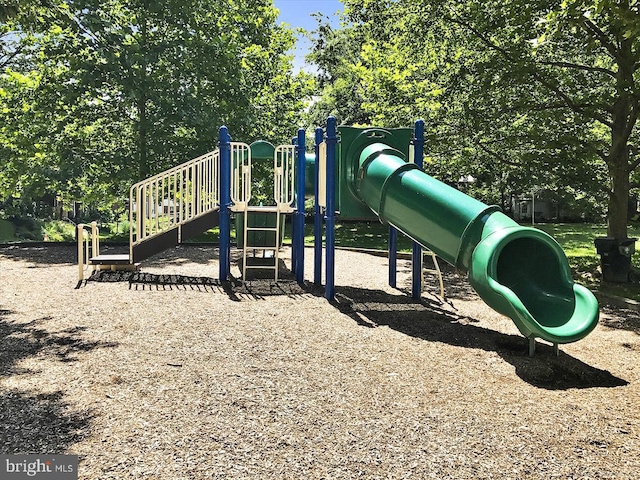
[[576, 240], [7, 231], [58, 231]]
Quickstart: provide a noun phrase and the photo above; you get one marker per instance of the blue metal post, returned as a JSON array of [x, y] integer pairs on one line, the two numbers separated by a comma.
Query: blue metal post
[[393, 256], [416, 251], [299, 213], [225, 202], [294, 217], [317, 218], [330, 211]]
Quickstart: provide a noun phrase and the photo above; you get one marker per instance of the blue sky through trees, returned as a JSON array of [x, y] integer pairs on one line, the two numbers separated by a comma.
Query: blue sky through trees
[[297, 13]]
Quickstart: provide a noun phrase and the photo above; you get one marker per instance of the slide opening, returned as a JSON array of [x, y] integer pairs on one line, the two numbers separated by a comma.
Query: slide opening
[[532, 269]]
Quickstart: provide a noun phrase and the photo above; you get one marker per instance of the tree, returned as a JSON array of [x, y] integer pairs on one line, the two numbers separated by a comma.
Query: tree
[[584, 59], [547, 87], [336, 52], [121, 90]]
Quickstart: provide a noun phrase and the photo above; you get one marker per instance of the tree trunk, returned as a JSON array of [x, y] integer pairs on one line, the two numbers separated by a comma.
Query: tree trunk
[[618, 199], [618, 158]]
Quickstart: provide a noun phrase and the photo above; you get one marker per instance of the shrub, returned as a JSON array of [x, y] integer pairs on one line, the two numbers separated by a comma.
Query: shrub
[[58, 231]]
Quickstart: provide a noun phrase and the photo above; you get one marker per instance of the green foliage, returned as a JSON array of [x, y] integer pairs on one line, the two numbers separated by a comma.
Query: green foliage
[[7, 231], [520, 95], [30, 229], [58, 231], [120, 227], [336, 53], [98, 94], [27, 228]]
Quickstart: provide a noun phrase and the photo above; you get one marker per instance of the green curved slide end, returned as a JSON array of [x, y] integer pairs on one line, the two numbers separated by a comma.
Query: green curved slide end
[[519, 271], [523, 273]]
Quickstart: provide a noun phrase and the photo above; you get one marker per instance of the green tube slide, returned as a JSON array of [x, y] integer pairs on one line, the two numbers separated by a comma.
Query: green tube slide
[[519, 271]]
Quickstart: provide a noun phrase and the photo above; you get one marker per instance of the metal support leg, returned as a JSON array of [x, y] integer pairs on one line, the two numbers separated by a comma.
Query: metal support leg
[[393, 256], [556, 349], [330, 210], [532, 346], [225, 202], [299, 213], [416, 251]]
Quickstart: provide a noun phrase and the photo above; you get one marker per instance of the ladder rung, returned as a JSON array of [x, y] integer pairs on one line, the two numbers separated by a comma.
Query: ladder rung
[[255, 263], [261, 263], [261, 209]]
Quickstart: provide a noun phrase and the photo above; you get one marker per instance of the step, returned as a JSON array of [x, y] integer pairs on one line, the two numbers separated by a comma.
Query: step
[[262, 229], [113, 259], [262, 209], [259, 263]]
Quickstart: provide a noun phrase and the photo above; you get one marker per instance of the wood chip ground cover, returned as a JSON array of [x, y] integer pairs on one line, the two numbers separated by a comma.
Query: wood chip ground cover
[[169, 374]]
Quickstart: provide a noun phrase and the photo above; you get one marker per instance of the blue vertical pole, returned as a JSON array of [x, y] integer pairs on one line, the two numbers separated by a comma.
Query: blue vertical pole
[[393, 256], [330, 211], [317, 218], [416, 251], [294, 217], [225, 202], [300, 150]]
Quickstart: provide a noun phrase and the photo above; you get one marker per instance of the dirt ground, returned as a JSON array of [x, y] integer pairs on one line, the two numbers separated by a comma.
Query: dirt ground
[[169, 374]]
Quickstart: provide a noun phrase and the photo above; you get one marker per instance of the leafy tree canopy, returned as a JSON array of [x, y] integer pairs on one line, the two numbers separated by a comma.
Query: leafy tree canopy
[[102, 93], [535, 94]]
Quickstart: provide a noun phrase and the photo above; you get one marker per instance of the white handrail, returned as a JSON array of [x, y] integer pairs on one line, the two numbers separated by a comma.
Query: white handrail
[[173, 197], [240, 175], [283, 179], [88, 237]]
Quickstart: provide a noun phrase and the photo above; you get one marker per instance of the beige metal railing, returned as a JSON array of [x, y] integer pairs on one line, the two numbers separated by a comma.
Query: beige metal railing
[[240, 176], [88, 237], [173, 197], [283, 170]]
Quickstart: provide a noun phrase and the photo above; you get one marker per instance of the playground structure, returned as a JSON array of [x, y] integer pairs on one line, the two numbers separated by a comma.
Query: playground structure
[[183, 202], [370, 173]]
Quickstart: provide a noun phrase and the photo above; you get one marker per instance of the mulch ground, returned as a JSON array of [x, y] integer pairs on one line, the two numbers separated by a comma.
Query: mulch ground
[[169, 374]]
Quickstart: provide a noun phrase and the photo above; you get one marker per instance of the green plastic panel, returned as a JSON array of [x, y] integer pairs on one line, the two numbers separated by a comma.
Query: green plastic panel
[[262, 150], [309, 175], [258, 238]]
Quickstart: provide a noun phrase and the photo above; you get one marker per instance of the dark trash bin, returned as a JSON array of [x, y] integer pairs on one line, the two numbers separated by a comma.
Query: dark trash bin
[[615, 258]]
